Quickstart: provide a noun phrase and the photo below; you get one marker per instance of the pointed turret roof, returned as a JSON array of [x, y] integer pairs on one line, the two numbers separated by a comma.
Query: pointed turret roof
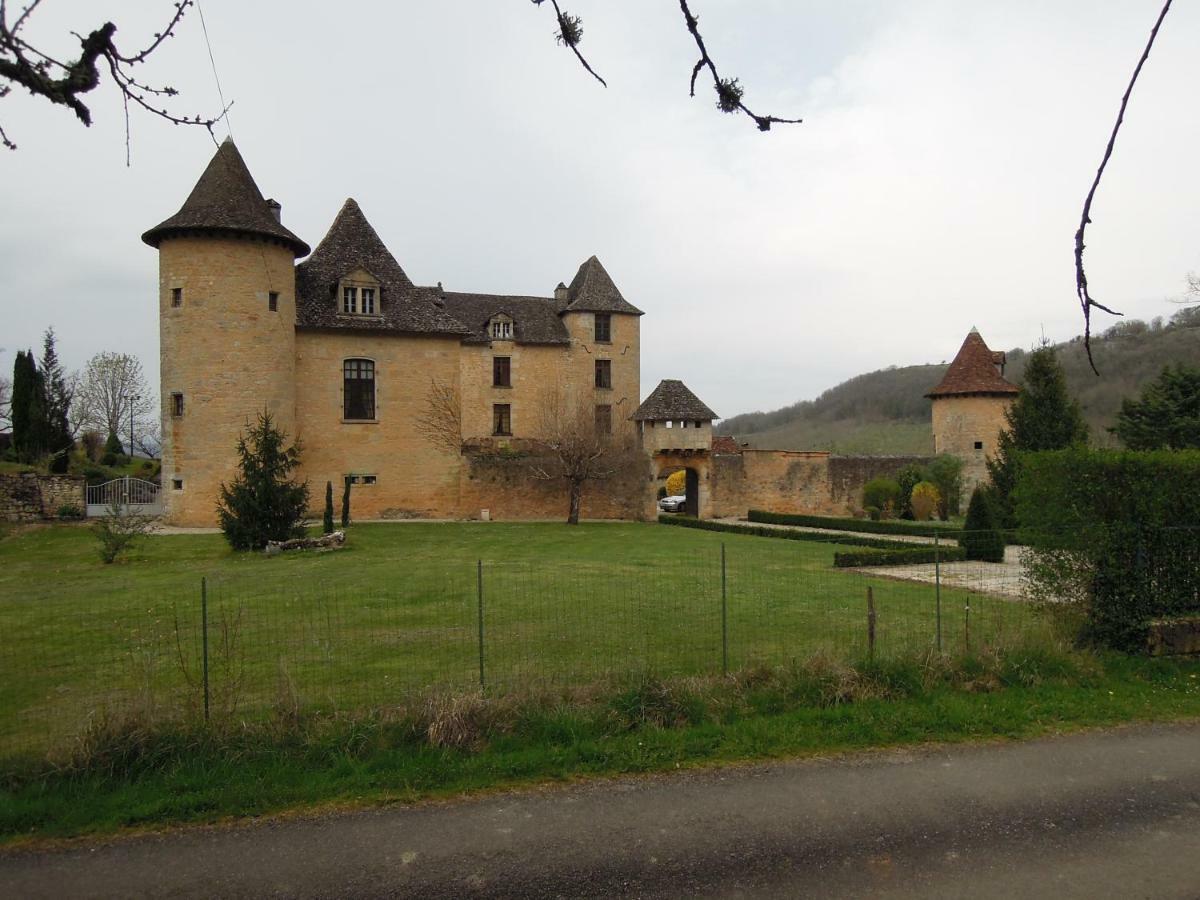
[[670, 401], [593, 290], [226, 200], [351, 244], [975, 370]]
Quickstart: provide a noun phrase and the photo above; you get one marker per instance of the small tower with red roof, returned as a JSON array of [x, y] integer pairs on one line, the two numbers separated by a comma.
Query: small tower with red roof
[[969, 406]]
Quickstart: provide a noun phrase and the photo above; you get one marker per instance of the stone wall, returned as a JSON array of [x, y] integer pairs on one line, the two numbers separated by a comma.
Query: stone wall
[[30, 497], [796, 481], [969, 428]]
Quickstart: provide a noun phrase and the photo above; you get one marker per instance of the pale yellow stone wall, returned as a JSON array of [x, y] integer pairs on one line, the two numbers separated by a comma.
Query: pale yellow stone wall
[[961, 422], [625, 352], [656, 436], [533, 368], [228, 355], [415, 478]]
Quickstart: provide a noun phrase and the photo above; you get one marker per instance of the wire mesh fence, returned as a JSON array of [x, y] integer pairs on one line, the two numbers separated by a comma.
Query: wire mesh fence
[[240, 648]]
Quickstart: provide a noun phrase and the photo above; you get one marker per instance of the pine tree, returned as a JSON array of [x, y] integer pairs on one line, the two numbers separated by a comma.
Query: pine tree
[[59, 441], [1043, 417], [264, 503], [327, 523], [1167, 417]]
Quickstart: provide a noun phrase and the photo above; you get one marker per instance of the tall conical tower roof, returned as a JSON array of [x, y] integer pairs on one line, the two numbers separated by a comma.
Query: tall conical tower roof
[[593, 290], [975, 370], [226, 201], [671, 400]]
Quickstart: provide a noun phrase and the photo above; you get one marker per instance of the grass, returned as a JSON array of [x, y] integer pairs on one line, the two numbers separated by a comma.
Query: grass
[[398, 612], [129, 777]]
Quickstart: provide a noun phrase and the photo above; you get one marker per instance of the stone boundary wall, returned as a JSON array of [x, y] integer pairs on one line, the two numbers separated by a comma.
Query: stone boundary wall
[[796, 481], [30, 497]]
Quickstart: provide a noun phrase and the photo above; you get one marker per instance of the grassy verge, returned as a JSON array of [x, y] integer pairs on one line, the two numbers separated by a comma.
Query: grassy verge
[[121, 775]]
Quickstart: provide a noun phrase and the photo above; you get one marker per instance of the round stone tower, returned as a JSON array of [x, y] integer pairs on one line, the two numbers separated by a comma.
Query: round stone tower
[[227, 330], [968, 409]]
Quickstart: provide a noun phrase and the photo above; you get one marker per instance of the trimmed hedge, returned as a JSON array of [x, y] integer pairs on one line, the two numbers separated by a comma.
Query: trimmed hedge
[[907, 557], [1117, 533], [891, 526], [787, 535]]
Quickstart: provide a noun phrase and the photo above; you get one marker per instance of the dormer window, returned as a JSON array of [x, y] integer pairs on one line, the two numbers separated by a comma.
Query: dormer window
[[500, 328], [358, 294]]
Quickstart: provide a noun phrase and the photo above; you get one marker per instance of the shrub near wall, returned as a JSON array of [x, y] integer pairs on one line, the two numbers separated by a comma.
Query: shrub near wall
[[1117, 534], [785, 534], [893, 526], [909, 557]]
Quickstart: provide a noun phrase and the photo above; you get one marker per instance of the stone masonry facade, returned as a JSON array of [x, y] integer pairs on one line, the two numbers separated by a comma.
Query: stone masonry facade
[[30, 497]]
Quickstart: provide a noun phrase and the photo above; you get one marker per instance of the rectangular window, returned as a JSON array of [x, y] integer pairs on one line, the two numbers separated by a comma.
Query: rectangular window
[[501, 371], [177, 484], [603, 328], [604, 373], [979, 445], [358, 389], [362, 479], [177, 297], [501, 419], [273, 301], [604, 419], [502, 330], [177, 404], [368, 301], [350, 300], [369, 479]]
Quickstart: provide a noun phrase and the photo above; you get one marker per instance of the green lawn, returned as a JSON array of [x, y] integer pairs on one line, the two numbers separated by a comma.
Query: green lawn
[[397, 611]]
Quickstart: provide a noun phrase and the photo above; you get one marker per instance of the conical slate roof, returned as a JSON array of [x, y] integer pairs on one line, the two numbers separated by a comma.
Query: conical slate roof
[[974, 371], [593, 290], [351, 243], [671, 401], [226, 200]]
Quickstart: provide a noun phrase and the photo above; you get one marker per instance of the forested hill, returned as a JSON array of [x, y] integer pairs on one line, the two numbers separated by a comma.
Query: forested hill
[[886, 411]]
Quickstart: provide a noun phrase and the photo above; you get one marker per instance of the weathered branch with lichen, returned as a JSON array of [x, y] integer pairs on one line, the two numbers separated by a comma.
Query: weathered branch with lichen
[[65, 83]]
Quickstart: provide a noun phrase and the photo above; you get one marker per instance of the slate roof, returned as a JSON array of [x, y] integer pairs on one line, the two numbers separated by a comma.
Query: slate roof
[[592, 290], [351, 243], [974, 371], [535, 319], [672, 400], [226, 200]]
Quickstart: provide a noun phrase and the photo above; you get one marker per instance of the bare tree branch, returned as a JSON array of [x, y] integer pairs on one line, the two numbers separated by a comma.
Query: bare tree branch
[[729, 90], [64, 83], [1087, 302]]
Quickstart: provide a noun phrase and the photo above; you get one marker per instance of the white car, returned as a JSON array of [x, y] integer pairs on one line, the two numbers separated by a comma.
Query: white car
[[672, 504]]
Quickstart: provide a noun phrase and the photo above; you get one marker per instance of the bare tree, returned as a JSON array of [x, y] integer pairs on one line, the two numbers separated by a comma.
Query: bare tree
[[579, 445], [64, 83], [109, 387], [5, 402], [440, 422]]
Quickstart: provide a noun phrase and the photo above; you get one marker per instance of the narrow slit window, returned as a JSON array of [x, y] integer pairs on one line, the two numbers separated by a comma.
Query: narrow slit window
[[177, 405], [177, 297], [273, 301]]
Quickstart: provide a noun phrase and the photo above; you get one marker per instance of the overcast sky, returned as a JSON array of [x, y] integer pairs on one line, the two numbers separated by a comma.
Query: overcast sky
[[934, 185]]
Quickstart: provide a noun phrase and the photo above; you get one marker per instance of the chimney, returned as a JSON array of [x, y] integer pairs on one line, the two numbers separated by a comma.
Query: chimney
[[276, 209], [560, 293]]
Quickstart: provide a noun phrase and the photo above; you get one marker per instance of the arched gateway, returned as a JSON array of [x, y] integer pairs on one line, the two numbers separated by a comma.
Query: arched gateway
[[675, 429]]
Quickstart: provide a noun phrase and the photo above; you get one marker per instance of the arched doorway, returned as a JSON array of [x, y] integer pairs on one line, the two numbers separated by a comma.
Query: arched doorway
[[671, 492]]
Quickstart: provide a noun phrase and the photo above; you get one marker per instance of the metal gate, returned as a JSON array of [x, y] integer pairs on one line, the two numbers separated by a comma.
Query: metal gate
[[133, 495]]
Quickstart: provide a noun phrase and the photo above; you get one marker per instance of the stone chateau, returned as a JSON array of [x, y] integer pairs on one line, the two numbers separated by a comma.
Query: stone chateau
[[345, 352]]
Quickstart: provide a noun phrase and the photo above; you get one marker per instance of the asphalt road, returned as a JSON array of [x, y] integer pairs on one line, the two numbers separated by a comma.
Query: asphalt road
[[1105, 814]]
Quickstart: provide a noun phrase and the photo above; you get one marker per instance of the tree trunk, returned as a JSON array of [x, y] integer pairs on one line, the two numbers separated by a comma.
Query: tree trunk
[[576, 498]]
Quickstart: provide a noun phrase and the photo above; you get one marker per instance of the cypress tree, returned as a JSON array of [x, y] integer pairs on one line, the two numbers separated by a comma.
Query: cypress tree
[[57, 402], [328, 521], [346, 504], [28, 408], [1043, 417], [981, 537]]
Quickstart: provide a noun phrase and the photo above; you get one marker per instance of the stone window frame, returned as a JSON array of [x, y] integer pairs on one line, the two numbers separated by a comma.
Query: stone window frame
[[502, 417], [353, 292], [177, 483], [374, 398], [501, 327], [502, 371], [604, 374], [176, 404], [602, 328]]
